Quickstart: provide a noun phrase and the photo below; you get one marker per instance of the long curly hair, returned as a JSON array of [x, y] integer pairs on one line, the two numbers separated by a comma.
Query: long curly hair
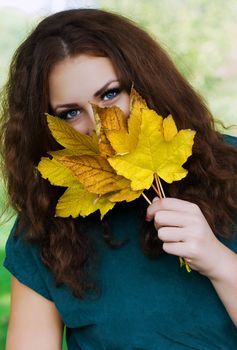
[[137, 59]]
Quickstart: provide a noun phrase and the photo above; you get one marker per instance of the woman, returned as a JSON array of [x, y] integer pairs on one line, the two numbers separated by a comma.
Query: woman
[[64, 273]]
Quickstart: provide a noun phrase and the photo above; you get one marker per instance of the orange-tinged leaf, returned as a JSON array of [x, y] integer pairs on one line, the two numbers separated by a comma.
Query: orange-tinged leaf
[[136, 102], [124, 141], [95, 173], [107, 119], [77, 201], [154, 155], [65, 152], [72, 139], [105, 147], [56, 173]]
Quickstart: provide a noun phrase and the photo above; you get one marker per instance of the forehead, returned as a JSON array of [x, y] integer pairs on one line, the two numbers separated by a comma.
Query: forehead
[[82, 74]]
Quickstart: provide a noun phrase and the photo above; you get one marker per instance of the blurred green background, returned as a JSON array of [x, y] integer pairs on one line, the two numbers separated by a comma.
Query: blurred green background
[[200, 36]]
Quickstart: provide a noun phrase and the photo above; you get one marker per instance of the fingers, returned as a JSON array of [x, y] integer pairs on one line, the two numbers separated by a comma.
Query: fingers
[[170, 204], [172, 218], [176, 248], [171, 234], [185, 232]]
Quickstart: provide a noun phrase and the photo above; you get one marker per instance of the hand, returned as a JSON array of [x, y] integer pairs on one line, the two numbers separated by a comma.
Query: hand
[[185, 232]]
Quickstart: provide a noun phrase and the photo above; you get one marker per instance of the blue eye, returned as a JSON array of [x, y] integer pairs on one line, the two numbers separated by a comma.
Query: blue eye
[[110, 94], [73, 113], [69, 114]]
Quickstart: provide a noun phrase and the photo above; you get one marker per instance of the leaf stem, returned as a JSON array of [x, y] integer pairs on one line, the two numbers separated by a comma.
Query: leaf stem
[[188, 268], [184, 263], [157, 185], [147, 199], [156, 191], [161, 188]]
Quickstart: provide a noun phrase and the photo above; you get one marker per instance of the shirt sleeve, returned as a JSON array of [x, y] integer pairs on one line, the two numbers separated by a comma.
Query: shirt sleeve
[[232, 140], [23, 261]]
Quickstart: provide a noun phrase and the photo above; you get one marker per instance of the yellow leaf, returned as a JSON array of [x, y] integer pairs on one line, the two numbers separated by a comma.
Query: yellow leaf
[[77, 201], [56, 173], [154, 155], [118, 161], [104, 205], [71, 139], [105, 147], [175, 153], [124, 141], [169, 128], [63, 153], [136, 102], [125, 195], [111, 118], [95, 173]]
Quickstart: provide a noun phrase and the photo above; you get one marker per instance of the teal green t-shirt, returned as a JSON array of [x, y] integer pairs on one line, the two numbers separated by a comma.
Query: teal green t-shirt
[[143, 304]]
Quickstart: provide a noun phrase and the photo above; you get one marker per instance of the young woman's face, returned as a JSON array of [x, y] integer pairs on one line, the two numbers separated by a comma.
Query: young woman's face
[[76, 82]]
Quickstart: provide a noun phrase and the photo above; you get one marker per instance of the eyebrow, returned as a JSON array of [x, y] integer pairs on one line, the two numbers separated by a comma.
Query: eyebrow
[[100, 91], [96, 94]]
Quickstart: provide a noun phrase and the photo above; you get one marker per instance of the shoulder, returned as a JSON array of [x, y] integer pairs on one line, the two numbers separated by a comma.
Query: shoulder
[[232, 140], [34, 321], [23, 261]]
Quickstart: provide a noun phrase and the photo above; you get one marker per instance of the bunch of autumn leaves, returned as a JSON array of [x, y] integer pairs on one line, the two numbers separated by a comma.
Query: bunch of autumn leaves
[[118, 161]]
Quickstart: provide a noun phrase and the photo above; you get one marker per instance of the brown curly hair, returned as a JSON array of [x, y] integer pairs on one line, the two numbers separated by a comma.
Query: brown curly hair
[[138, 59]]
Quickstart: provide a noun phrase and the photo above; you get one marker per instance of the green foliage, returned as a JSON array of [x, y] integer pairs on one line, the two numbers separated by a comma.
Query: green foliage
[[4, 300], [14, 27], [200, 37]]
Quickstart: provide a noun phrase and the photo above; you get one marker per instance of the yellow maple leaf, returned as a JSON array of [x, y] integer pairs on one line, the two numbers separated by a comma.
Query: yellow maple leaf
[[126, 194], [169, 128], [71, 139], [125, 140], [62, 170], [118, 161], [56, 173], [95, 174], [155, 153], [108, 118], [77, 201]]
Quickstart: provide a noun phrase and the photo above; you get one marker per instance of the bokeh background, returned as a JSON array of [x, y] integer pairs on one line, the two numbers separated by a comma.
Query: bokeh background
[[199, 35]]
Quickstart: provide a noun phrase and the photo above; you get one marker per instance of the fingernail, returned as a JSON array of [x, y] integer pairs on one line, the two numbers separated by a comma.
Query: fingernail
[[155, 199]]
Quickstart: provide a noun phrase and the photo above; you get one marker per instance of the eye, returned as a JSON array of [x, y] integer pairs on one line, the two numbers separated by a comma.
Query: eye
[[110, 94], [69, 114]]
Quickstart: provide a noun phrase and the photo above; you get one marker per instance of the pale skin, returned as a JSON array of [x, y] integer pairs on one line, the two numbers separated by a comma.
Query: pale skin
[[34, 320], [185, 232]]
